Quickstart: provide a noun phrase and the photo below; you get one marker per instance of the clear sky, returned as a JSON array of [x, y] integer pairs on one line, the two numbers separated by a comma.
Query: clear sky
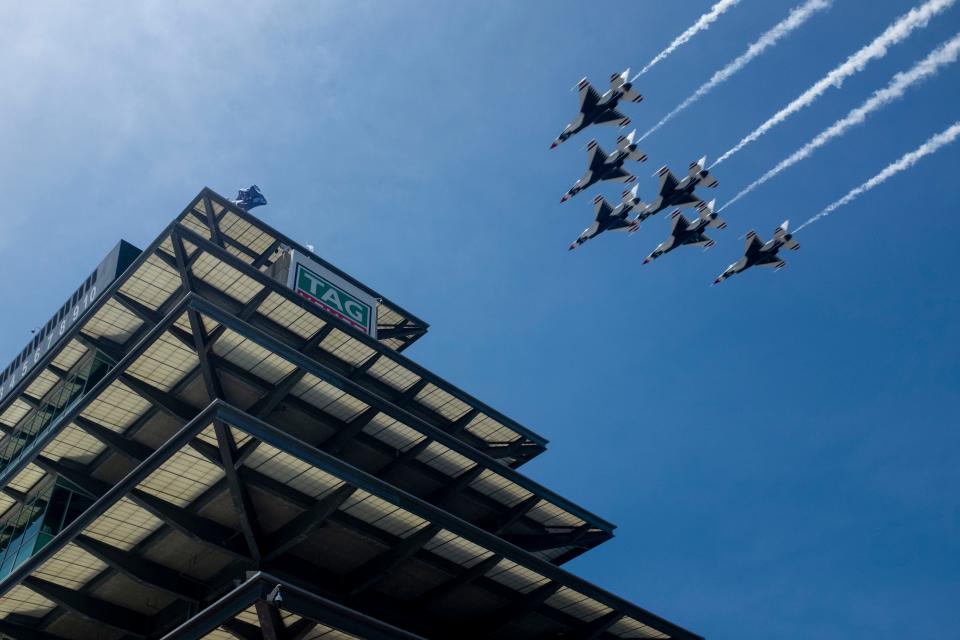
[[780, 452]]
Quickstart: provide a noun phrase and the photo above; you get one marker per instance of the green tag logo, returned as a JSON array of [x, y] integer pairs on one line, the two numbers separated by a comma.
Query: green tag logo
[[335, 300]]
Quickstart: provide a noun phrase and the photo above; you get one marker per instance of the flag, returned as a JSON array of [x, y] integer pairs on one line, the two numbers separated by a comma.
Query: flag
[[249, 198]]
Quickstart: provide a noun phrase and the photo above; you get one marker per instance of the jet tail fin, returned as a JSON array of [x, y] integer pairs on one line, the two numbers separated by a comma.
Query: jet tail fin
[[708, 214], [698, 171], [626, 144], [618, 80], [621, 82], [783, 235]]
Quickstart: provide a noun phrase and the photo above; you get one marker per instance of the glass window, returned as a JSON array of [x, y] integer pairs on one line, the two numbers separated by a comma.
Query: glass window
[[53, 523]]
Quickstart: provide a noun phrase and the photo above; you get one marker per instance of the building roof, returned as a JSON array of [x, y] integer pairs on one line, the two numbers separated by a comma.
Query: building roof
[[237, 427]]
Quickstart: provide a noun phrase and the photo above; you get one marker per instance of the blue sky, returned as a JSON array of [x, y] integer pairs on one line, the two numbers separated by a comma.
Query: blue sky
[[780, 451]]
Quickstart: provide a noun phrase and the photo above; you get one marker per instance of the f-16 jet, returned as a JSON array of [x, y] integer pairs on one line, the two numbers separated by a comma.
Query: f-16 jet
[[631, 199], [597, 109], [680, 193], [608, 219], [602, 167], [757, 253], [684, 232]]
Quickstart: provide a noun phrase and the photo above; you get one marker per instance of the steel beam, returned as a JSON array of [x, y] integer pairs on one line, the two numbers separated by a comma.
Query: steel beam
[[300, 528], [242, 630], [324, 373], [383, 565], [113, 440], [346, 472], [367, 340], [271, 624], [594, 630], [466, 577], [96, 610], [517, 610], [20, 632], [352, 431], [144, 571], [203, 530]]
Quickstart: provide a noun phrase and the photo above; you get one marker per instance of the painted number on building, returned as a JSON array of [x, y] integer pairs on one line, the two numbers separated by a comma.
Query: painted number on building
[[335, 300]]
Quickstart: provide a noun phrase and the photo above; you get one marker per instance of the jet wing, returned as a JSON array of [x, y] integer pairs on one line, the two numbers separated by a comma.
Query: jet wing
[[618, 174], [618, 224], [683, 200], [771, 260], [602, 209], [680, 223], [668, 183], [752, 242], [588, 97], [699, 240], [612, 116], [595, 156]]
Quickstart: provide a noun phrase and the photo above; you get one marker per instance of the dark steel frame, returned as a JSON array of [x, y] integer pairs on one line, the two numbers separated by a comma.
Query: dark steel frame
[[255, 547]]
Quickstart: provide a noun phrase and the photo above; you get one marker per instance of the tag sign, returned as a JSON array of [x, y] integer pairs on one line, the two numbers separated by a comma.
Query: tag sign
[[333, 294]]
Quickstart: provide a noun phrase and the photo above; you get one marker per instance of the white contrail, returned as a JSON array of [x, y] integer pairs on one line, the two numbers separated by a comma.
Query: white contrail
[[797, 17], [700, 25], [905, 162], [898, 85], [901, 29]]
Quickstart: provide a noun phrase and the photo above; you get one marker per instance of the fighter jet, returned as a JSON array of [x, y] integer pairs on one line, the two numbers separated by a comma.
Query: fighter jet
[[635, 203], [690, 233], [758, 253], [597, 109], [608, 219], [602, 167], [679, 193]]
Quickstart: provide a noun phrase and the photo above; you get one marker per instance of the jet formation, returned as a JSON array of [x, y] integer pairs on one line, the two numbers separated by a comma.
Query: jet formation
[[672, 192]]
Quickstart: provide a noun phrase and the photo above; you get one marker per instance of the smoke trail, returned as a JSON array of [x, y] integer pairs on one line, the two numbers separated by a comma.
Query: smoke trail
[[898, 85], [905, 162], [797, 17], [700, 25], [902, 28]]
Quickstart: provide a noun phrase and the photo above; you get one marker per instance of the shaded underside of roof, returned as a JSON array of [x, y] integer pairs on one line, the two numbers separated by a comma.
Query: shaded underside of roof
[[240, 429]]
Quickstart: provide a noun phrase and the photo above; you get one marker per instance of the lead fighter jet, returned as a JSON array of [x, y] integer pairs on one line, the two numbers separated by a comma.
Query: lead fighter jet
[[602, 167], [608, 219], [679, 193], [758, 253], [597, 109], [684, 232]]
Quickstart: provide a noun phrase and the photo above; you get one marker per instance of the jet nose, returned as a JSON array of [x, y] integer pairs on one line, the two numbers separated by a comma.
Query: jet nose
[[554, 145], [717, 281], [564, 199], [646, 261], [572, 247]]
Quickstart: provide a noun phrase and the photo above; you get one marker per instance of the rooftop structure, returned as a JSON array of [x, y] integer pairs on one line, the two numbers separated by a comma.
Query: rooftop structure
[[219, 437]]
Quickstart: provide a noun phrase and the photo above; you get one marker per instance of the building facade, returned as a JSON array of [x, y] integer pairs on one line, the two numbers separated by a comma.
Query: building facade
[[220, 437]]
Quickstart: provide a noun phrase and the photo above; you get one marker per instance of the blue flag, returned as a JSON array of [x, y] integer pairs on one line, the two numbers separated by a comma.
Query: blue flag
[[249, 198]]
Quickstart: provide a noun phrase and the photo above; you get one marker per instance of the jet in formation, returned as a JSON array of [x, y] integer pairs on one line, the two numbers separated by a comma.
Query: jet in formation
[[680, 193], [597, 109], [757, 253], [683, 232], [672, 192], [610, 218], [602, 167]]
